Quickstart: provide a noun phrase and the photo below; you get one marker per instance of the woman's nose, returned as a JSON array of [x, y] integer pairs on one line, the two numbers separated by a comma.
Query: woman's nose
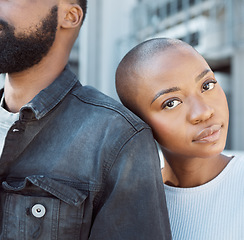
[[199, 111]]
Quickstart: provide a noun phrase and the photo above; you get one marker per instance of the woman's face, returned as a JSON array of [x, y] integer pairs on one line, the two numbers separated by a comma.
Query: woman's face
[[183, 103]]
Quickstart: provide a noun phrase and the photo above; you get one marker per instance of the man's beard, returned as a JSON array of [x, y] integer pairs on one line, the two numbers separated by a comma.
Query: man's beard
[[22, 52]]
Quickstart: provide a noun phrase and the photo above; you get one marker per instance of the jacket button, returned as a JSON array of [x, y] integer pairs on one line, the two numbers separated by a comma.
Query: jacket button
[[38, 210]]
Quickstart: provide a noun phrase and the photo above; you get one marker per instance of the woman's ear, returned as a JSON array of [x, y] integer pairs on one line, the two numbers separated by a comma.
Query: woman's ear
[[72, 15]]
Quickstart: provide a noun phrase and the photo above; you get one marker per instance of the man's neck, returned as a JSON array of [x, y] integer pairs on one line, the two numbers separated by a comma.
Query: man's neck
[[20, 88]]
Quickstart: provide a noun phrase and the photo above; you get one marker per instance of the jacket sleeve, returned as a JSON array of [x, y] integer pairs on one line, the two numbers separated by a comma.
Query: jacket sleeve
[[133, 204]]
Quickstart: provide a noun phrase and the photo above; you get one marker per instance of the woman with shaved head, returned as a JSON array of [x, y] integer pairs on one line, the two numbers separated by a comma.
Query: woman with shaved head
[[171, 87]]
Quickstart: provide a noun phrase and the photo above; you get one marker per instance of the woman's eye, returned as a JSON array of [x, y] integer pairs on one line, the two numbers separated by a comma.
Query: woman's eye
[[208, 85], [171, 104]]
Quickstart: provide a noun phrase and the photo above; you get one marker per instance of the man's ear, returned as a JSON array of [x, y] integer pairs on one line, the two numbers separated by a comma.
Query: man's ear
[[72, 15]]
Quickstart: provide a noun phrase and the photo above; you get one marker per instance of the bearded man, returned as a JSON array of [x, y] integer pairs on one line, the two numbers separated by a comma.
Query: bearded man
[[75, 164]]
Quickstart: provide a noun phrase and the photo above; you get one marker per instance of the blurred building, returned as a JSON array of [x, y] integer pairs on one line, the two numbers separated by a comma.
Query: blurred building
[[107, 25], [1, 80]]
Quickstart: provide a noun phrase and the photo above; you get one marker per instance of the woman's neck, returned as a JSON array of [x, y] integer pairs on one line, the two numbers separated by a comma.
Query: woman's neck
[[192, 172]]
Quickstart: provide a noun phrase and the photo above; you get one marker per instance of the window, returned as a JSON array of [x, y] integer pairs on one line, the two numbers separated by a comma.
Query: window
[[179, 5], [168, 9], [194, 39]]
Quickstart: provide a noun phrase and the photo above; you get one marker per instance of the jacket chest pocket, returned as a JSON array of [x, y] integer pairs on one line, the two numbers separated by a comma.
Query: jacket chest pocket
[[52, 210]]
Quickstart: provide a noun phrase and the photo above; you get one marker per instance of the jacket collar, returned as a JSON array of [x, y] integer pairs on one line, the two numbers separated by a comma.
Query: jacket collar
[[49, 97]]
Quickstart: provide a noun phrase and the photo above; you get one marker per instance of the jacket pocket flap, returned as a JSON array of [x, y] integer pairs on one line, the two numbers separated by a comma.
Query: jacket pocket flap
[[62, 191]]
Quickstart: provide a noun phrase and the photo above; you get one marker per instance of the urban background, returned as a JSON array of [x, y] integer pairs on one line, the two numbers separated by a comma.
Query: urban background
[[214, 27]]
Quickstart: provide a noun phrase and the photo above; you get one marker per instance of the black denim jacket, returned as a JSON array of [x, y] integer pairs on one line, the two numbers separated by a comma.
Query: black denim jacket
[[78, 165]]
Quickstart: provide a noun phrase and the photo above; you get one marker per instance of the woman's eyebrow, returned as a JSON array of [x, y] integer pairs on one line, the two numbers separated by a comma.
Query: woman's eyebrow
[[164, 91], [175, 89], [202, 74]]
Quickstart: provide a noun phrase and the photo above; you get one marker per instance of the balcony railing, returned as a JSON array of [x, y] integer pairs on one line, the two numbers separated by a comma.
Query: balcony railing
[[208, 24]]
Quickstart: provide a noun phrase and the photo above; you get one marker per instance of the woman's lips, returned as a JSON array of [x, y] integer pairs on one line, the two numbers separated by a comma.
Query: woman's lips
[[209, 134]]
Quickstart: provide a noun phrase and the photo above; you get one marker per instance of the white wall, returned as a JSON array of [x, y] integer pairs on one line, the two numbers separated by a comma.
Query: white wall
[[1, 80], [107, 23]]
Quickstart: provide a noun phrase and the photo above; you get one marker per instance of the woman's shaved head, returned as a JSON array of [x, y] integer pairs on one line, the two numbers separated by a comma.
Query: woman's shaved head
[[129, 73]]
